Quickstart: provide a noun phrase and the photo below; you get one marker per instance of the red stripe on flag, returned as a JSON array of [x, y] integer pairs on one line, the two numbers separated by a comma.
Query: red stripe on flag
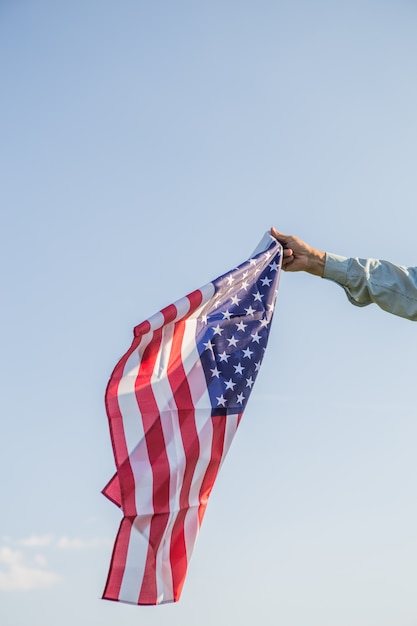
[[217, 444], [142, 329], [157, 452], [157, 457], [169, 313], [178, 554], [124, 470], [149, 592], [112, 490], [152, 427], [195, 299], [186, 418], [118, 560]]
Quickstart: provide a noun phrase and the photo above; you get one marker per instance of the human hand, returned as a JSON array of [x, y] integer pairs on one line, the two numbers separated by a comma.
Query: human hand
[[299, 256]]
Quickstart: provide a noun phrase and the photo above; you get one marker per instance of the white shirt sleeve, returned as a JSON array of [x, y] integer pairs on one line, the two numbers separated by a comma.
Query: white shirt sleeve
[[391, 287]]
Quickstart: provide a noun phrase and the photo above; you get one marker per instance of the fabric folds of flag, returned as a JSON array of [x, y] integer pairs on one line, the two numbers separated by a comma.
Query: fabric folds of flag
[[174, 402]]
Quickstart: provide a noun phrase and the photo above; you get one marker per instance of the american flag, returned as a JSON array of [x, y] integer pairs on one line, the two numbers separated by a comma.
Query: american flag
[[174, 402]]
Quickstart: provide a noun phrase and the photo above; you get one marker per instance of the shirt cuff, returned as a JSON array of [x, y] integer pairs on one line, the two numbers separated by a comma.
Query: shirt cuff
[[336, 268]]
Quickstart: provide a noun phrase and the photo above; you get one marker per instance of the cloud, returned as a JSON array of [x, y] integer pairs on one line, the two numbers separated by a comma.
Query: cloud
[[40, 560], [64, 543], [36, 541], [21, 569], [75, 543], [16, 574]]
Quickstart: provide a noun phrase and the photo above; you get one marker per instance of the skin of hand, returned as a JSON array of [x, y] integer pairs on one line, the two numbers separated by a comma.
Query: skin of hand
[[299, 256]]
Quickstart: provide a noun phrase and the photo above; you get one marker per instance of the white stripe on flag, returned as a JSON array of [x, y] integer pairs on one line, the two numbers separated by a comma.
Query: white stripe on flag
[[169, 415], [175, 450], [132, 422], [135, 561], [191, 529], [232, 422], [202, 407], [164, 587], [204, 426]]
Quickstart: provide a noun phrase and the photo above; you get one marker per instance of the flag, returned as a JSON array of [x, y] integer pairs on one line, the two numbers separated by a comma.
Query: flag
[[174, 402]]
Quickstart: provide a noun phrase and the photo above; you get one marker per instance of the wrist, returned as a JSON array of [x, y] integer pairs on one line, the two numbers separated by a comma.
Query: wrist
[[317, 261]]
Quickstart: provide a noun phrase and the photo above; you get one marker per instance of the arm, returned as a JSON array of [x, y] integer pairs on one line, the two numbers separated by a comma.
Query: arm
[[391, 287]]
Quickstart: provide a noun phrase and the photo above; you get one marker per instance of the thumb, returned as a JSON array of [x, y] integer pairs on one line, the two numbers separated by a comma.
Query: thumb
[[280, 236]]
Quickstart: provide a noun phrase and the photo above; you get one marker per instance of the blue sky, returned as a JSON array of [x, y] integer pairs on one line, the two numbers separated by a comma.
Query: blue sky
[[145, 149]]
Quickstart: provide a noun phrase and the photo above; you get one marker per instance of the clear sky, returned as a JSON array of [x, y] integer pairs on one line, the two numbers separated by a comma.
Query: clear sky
[[145, 147]]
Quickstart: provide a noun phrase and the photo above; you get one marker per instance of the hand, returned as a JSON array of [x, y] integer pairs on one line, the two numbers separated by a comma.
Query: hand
[[298, 256]]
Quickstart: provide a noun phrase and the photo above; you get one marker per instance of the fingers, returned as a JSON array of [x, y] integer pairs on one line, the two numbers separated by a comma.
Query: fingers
[[287, 259], [287, 241], [288, 253]]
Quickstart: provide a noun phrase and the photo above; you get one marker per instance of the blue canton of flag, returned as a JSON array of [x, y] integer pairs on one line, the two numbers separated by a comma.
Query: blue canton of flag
[[232, 332]]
